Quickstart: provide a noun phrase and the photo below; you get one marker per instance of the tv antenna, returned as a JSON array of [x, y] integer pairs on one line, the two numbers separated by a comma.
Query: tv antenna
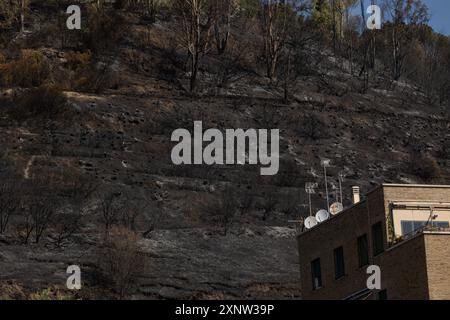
[[310, 189], [341, 178], [300, 221], [431, 218], [326, 163], [335, 191]]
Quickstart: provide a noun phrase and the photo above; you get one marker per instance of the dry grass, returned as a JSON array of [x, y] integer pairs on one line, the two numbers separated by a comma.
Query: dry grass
[[31, 69], [10, 290], [46, 101], [121, 259]]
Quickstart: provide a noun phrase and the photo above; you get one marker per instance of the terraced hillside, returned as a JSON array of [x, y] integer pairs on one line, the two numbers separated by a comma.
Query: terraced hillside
[[205, 231]]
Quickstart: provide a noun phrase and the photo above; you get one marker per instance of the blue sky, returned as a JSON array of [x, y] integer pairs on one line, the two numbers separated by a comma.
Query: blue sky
[[440, 15]]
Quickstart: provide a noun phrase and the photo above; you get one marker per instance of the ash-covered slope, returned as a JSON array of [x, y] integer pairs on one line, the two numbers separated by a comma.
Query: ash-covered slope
[[121, 139]]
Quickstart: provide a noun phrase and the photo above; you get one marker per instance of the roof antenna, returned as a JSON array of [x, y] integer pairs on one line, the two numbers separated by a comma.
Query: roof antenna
[[325, 164], [309, 188], [310, 221], [341, 178]]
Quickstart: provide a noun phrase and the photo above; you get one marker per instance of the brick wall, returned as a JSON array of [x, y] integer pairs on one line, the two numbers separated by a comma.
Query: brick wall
[[416, 193], [438, 265], [392, 193], [404, 268], [341, 230]]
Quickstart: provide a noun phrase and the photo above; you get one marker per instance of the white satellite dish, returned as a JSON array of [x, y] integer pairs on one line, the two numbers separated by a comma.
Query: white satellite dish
[[336, 207], [322, 215], [310, 222]]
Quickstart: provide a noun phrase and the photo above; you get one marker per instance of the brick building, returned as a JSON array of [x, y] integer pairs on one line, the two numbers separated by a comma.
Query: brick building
[[403, 229]]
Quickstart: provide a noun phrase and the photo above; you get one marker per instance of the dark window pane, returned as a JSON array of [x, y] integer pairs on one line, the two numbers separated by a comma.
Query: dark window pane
[[419, 224], [339, 265], [363, 251], [441, 224], [377, 239], [409, 226], [316, 274], [382, 295]]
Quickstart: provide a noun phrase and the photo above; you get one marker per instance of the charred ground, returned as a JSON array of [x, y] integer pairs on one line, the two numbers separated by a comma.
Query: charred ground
[[85, 128]]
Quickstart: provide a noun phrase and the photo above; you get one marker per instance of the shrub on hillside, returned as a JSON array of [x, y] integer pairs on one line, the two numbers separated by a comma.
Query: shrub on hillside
[[11, 290], [104, 28], [31, 69], [121, 260], [46, 101], [444, 151], [51, 293], [222, 210], [96, 78], [76, 61], [425, 167], [312, 127]]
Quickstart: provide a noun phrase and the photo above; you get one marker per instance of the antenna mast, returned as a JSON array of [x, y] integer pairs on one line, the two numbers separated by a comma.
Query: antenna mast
[[325, 164], [309, 188], [341, 176]]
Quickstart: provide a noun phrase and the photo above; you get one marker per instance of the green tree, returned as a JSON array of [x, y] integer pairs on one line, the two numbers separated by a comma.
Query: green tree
[[405, 16], [321, 13]]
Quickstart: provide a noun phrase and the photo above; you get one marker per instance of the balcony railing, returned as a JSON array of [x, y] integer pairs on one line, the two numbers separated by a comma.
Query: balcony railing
[[427, 229]]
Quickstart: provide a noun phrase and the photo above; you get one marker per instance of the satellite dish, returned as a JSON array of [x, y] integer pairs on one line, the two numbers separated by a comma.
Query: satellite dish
[[336, 207], [310, 222], [322, 215]]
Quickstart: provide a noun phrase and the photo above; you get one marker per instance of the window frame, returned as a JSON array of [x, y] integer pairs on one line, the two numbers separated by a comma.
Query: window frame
[[338, 253], [366, 253], [416, 225], [316, 266], [377, 239], [382, 295]]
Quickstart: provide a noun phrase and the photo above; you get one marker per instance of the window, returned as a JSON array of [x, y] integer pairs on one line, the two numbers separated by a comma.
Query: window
[[363, 251], [377, 239], [411, 226], [316, 274], [339, 265], [382, 295]]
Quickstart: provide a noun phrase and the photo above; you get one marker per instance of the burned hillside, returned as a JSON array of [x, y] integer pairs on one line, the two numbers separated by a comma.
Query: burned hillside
[[85, 132]]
